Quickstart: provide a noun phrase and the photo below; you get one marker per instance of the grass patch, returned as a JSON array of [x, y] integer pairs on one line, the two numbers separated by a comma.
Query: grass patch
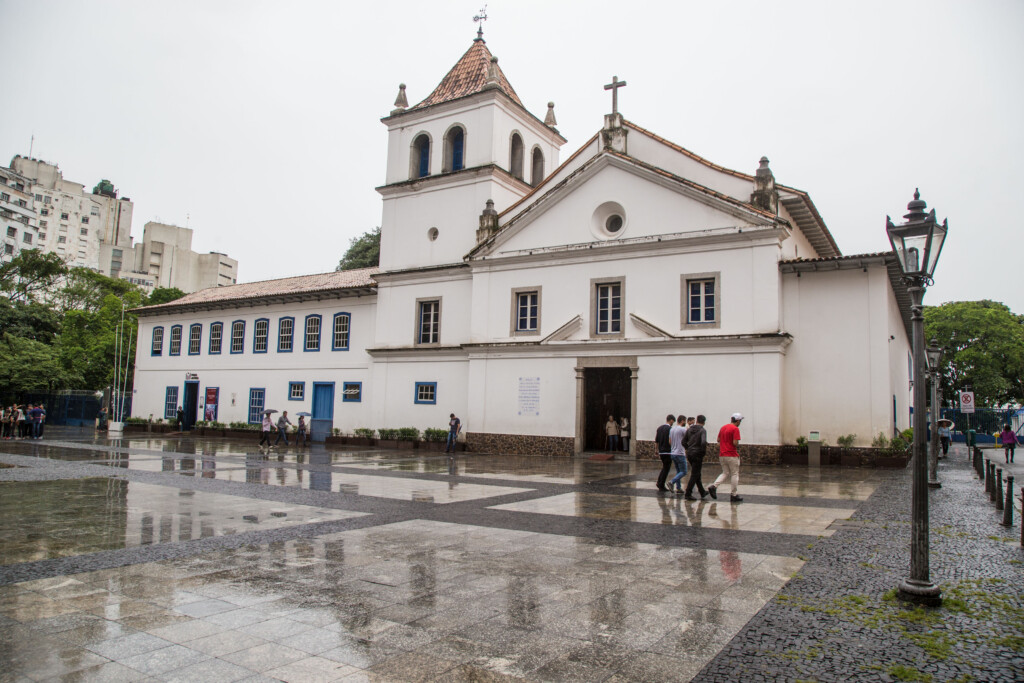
[[908, 673]]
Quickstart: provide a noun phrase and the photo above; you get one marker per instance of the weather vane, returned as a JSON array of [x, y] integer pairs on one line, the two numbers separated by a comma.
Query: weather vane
[[480, 19]]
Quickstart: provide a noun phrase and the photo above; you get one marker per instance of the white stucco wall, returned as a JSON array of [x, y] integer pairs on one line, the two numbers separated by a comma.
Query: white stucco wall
[[841, 371]]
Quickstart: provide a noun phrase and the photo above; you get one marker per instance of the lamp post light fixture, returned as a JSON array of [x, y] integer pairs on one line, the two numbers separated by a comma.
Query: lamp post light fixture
[[934, 353], [917, 244]]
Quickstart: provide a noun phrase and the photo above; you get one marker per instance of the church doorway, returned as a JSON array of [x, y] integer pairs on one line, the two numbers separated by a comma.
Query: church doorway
[[607, 391]]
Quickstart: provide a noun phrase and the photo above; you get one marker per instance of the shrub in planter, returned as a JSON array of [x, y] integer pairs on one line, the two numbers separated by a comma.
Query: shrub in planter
[[846, 440], [435, 435], [408, 434], [801, 444], [336, 431], [388, 434], [898, 445], [880, 441], [244, 426], [135, 421], [363, 433]]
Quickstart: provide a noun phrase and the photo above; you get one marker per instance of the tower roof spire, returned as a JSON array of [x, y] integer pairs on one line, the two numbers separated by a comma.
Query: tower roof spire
[[480, 19], [476, 70]]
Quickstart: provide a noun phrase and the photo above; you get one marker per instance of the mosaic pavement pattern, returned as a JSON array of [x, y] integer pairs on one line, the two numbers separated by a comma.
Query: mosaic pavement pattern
[[181, 560]]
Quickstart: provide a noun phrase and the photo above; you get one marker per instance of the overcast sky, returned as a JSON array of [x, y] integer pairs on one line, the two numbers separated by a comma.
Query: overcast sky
[[259, 121]]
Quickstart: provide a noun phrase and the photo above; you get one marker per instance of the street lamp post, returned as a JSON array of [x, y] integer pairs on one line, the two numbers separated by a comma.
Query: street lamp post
[[934, 352], [917, 244]]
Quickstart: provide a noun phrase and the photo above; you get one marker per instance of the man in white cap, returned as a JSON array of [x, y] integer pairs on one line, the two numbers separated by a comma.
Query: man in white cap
[[729, 457]]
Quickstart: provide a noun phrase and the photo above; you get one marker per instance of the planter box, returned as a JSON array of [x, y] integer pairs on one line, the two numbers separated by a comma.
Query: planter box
[[387, 443], [406, 445], [430, 446], [794, 458]]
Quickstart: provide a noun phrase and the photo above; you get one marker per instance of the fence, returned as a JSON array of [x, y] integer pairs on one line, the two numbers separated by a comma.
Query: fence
[[984, 421], [72, 408]]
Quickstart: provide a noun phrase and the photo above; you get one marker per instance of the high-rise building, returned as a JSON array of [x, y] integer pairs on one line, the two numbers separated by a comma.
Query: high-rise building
[[18, 218]]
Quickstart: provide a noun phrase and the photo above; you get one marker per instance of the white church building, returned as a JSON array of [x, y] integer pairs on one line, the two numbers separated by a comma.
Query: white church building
[[533, 298]]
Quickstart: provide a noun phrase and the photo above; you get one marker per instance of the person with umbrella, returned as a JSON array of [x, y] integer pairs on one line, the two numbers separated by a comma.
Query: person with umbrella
[[282, 428], [302, 437], [944, 435], [266, 427]]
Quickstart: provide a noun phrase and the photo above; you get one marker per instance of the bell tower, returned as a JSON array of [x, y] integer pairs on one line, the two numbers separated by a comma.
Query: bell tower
[[469, 141]]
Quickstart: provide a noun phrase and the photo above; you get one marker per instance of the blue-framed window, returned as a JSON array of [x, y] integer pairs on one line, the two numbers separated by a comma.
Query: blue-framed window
[[312, 342], [426, 392], [195, 339], [175, 349], [260, 335], [285, 334], [421, 156], [158, 342], [256, 397], [238, 336], [458, 138], [171, 403], [351, 392], [342, 322], [216, 337], [296, 391]]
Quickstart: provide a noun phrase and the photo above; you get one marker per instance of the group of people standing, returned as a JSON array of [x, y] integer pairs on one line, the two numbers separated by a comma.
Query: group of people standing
[[23, 422], [683, 441], [616, 434]]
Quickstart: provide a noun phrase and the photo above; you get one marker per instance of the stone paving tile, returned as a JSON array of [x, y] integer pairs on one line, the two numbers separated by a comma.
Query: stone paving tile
[[312, 670], [128, 646], [224, 643], [111, 672], [206, 671], [264, 657], [163, 660]]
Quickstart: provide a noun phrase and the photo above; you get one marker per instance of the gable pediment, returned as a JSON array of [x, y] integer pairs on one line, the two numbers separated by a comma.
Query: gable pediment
[[650, 201]]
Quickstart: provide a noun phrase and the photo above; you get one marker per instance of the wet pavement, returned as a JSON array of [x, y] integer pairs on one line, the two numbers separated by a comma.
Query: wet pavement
[[182, 559]]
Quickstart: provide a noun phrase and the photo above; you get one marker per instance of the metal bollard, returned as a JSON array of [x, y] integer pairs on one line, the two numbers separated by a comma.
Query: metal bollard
[[1008, 507], [988, 478], [978, 463], [999, 488]]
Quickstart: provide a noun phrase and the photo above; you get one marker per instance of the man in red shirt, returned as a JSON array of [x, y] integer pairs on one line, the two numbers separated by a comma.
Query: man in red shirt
[[729, 457]]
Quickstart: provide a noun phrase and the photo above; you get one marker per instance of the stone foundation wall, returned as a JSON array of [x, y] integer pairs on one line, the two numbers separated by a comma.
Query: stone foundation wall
[[519, 444], [755, 454]]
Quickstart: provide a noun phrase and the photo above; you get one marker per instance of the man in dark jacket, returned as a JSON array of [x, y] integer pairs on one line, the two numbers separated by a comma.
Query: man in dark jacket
[[695, 441], [664, 450]]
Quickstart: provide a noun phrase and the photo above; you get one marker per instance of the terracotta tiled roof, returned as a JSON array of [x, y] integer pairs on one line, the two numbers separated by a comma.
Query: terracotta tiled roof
[[302, 284], [848, 257], [468, 76]]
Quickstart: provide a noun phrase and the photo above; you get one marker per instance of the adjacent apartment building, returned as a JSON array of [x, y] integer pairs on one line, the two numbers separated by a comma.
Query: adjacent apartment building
[[41, 209]]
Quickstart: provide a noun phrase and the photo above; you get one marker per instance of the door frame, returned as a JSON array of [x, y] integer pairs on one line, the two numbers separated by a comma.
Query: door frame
[[312, 404], [584, 362], [190, 420]]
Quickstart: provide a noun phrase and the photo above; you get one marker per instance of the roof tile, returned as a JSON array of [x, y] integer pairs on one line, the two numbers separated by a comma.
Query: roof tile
[[468, 77]]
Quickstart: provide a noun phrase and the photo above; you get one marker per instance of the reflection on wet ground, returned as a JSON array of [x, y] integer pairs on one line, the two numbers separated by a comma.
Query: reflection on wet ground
[[75, 516], [431, 579], [788, 519]]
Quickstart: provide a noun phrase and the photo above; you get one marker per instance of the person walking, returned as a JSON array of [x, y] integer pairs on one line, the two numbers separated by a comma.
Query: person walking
[[695, 443], [664, 450], [624, 433], [300, 436], [454, 427], [282, 428], [1009, 441], [265, 430], [944, 437], [611, 431], [675, 440], [729, 457], [181, 418]]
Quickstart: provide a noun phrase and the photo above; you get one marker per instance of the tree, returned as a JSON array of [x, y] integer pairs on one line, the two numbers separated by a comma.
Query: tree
[[163, 295], [86, 290], [29, 366], [363, 251], [984, 348], [29, 273]]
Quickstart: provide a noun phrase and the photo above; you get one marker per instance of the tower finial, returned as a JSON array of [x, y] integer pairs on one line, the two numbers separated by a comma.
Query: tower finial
[[480, 19], [549, 119]]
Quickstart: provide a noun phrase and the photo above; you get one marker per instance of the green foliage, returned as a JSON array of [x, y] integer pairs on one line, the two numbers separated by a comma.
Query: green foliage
[[163, 295], [387, 434], [363, 251], [408, 434], [136, 421], [908, 673], [898, 444], [435, 435], [244, 425], [880, 441], [29, 320], [29, 366], [908, 434], [31, 273], [984, 348], [801, 443], [364, 433], [846, 440]]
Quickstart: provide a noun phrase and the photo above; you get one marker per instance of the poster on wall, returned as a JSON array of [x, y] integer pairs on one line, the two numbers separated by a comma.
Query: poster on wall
[[529, 396], [212, 395]]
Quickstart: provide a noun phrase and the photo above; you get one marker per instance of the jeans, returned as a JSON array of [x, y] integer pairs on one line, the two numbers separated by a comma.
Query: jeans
[[281, 434], [450, 445], [264, 436], [612, 442], [36, 429], [625, 442], [696, 465], [681, 469]]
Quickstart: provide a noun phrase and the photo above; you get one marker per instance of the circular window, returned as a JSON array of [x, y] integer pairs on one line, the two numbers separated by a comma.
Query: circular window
[[609, 221], [432, 234]]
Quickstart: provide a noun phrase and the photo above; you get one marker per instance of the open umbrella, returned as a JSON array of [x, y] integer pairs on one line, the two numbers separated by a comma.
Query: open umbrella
[[304, 414], [944, 421], [268, 411]]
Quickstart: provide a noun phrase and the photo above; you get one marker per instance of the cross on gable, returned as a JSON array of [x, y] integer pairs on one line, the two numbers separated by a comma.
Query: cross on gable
[[614, 87]]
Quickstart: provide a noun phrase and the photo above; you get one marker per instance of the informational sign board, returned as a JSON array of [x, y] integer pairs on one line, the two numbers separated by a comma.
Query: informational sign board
[[212, 397], [529, 396], [966, 401]]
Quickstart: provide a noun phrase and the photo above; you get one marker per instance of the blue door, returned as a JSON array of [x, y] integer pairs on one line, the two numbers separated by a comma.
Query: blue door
[[322, 422]]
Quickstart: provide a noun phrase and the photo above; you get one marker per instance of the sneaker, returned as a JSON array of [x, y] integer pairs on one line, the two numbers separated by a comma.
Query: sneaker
[[713, 491], [735, 499]]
